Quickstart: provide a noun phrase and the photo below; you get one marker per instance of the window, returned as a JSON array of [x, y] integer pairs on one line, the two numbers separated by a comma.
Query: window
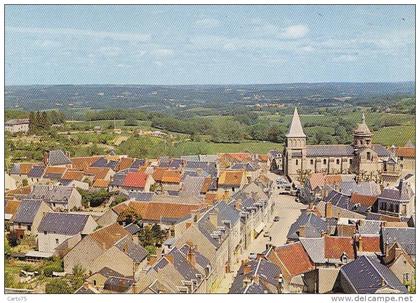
[[29, 228], [368, 155], [297, 162], [45, 232], [56, 241], [325, 161], [350, 161], [94, 282], [406, 276], [337, 161], [312, 161]]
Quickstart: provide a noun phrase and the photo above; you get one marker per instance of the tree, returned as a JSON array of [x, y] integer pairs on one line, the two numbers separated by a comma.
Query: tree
[[128, 216], [31, 122], [58, 286]]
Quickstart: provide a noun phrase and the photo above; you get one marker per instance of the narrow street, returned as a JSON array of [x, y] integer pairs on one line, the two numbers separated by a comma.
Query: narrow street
[[288, 210]]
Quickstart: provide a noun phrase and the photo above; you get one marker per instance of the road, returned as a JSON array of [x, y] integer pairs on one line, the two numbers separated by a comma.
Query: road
[[288, 210]]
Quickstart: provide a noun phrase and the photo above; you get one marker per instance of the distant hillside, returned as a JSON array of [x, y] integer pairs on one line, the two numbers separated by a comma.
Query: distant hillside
[[163, 98]]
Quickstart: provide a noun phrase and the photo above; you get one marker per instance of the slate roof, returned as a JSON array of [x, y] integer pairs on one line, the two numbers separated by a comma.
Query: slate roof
[[244, 166], [200, 259], [108, 272], [140, 196], [117, 180], [402, 193], [103, 162], [369, 227], [315, 249], [381, 150], [193, 185], [26, 211], [224, 213], [58, 157], [366, 275], [181, 264], [63, 223], [37, 171], [406, 237], [138, 163], [267, 271], [314, 226], [209, 167], [132, 228], [329, 150], [118, 284], [136, 252], [51, 194]]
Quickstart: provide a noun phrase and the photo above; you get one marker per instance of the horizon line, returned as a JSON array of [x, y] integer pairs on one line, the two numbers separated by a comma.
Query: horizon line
[[215, 84]]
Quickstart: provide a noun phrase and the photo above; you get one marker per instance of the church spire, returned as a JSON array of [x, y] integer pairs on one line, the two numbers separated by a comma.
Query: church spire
[[295, 130]]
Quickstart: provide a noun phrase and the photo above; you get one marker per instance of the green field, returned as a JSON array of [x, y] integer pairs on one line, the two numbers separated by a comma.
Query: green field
[[395, 135], [246, 146]]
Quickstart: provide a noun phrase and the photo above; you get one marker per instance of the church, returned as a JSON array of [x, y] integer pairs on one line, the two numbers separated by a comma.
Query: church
[[362, 157]]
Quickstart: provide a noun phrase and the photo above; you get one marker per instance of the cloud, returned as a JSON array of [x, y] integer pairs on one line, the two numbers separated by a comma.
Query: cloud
[[162, 52], [208, 23], [345, 58], [118, 36], [47, 44], [295, 31], [110, 51]]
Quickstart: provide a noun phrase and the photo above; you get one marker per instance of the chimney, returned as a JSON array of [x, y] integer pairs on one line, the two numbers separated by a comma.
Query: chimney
[[151, 260], [360, 243], [170, 258], [301, 231], [247, 268], [213, 218], [45, 160], [328, 210], [191, 257]]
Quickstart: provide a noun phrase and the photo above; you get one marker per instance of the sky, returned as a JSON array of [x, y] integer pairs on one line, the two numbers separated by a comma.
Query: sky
[[186, 44]]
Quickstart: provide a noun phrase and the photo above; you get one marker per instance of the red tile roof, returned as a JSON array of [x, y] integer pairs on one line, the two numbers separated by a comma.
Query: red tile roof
[[125, 163], [73, 175], [98, 172], [154, 211], [292, 258], [363, 200], [406, 152], [336, 246], [370, 244], [135, 179], [100, 183], [82, 163], [231, 178]]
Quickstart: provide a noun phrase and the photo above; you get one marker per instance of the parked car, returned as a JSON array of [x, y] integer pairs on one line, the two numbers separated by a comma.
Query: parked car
[[276, 219]]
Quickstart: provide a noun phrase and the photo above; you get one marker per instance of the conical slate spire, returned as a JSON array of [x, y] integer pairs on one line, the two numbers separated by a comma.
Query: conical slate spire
[[295, 130]]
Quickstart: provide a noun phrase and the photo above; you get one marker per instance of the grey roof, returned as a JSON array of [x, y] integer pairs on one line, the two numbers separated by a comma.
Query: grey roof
[[193, 185], [264, 269], [191, 158], [208, 158], [329, 150], [405, 236], [63, 223], [225, 213], [402, 193], [37, 171], [138, 163], [136, 252], [118, 284], [141, 196], [370, 227], [51, 194], [366, 275], [26, 211], [314, 226], [201, 260], [108, 272], [103, 162], [315, 247], [170, 163], [381, 150], [181, 264], [339, 199], [208, 167], [132, 228], [245, 166], [58, 157], [15, 170], [118, 179]]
